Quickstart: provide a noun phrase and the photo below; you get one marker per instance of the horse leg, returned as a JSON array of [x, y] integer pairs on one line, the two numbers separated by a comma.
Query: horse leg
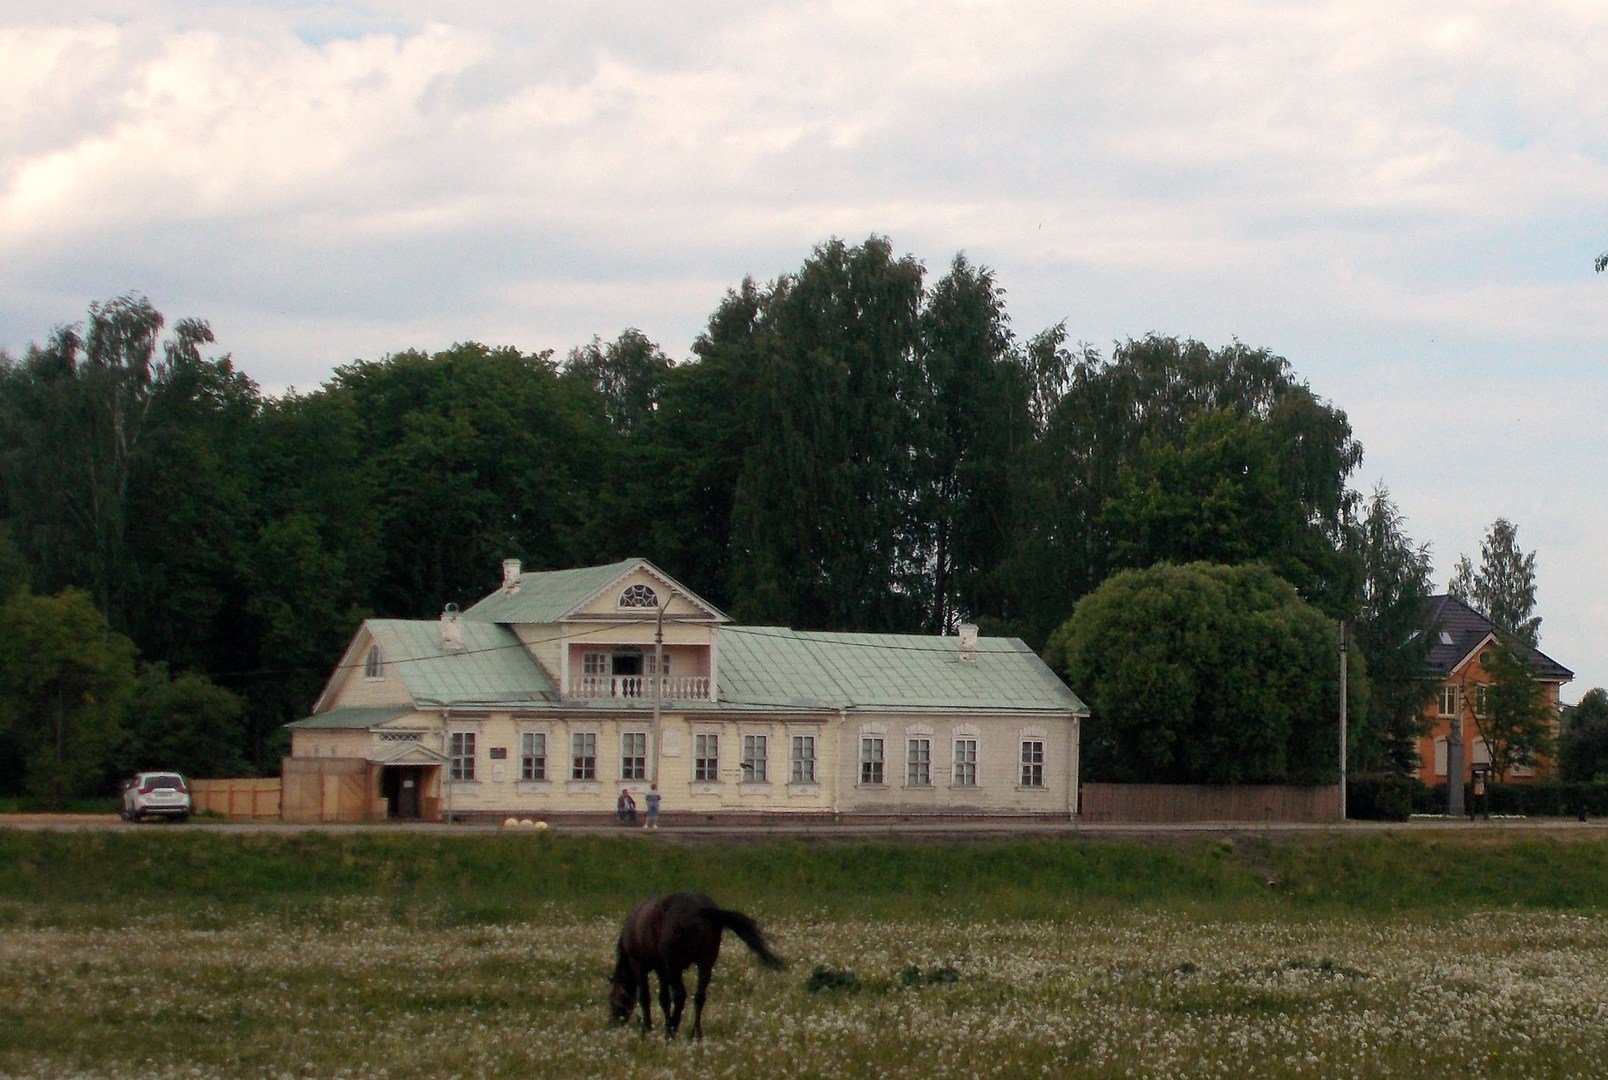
[[645, 998], [698, 995], [679, 989], [670, 1017]]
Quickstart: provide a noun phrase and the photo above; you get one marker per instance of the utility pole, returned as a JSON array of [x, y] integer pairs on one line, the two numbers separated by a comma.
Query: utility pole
[[658, 684], [1343, 719], [1454, 760]]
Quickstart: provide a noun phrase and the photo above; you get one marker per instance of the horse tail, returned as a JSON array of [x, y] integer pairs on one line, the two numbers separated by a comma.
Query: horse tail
[[749, 931]]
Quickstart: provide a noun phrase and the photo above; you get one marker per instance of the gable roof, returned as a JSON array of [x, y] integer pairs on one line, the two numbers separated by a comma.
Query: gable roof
[[492, 668], [549, 596], [1457, 631]]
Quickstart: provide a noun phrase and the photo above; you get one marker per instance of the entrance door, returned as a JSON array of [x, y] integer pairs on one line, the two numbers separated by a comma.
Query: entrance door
[[401, 784]]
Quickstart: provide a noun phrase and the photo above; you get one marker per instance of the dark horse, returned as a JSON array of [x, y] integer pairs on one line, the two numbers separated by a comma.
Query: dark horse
[[666, 935]]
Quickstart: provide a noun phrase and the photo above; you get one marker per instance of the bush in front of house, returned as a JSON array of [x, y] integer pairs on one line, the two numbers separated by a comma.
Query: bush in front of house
[[1381, 796], [1547, 799]]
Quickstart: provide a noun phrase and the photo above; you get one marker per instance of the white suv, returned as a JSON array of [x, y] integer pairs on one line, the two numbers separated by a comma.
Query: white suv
[[156, 794]]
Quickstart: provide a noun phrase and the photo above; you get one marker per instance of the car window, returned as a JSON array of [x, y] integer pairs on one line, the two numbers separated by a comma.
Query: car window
[[164, 780]]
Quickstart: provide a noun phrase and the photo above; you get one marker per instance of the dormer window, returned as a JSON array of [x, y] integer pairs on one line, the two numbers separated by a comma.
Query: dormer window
[[639, 596], [374, 665]]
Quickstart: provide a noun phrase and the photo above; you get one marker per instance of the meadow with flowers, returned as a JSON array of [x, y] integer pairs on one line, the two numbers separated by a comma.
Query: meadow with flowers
[[173, 954]]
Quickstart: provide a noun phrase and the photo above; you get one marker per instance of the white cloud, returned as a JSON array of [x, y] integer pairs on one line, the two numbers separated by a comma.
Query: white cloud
[[1365, 187]]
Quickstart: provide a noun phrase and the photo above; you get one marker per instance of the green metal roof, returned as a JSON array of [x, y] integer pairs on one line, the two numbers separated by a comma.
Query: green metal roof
[[493, 666], [777, 667], [546, 596], [352, 718]]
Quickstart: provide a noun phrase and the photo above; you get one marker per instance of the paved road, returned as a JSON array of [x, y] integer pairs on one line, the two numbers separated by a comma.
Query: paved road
[[904, 830]]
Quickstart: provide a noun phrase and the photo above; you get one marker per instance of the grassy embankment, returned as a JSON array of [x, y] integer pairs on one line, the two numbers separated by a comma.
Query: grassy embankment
[[179, 953], [94, 877]]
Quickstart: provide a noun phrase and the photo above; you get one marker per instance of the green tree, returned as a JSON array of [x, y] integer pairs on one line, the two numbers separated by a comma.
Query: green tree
[[185, 722], [1503, 588], [628, 374], [1392, 631], [1583, 755], [824, 527], [1516, 722], [14, 577], [1204, 674], [1125, 424], [65, 680], [973, 417]]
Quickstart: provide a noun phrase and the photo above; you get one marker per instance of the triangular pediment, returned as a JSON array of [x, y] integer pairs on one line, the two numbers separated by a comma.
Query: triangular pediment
[[638, 592], [408, 753]]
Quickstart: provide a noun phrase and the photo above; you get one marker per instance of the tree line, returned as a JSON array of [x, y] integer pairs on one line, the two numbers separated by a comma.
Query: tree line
[[853, 445]]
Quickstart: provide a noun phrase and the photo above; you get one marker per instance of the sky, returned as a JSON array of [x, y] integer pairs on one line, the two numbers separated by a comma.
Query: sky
[[1404, 200]]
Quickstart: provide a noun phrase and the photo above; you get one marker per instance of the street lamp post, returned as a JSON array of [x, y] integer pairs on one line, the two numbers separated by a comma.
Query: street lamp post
[[658, 683]]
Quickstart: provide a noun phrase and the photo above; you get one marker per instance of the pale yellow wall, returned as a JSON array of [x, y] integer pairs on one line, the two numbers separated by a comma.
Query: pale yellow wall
[[998, 791], [545, 644], [353, 688], [351, 744], [999, 747]]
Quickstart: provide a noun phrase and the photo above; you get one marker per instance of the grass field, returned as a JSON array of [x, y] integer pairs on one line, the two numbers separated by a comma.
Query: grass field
[[180, 953]]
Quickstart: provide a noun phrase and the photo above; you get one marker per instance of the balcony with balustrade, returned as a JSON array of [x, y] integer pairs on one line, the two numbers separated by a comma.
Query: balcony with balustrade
[[640, 687]]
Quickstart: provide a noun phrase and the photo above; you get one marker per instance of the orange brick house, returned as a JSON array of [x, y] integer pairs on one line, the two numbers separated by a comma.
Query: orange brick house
[[1461, 634]]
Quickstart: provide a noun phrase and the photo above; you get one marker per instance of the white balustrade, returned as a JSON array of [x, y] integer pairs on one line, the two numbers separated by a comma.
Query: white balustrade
[[671, 687]]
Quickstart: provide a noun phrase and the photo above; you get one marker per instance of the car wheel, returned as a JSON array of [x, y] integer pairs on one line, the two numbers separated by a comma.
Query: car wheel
[[181, 818]]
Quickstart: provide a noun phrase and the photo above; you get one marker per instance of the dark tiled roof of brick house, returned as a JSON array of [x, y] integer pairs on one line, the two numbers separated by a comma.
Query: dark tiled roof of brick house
[[1457, 630]]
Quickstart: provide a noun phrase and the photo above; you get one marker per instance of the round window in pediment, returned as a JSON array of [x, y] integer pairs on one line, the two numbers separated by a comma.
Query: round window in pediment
[[639, 596]]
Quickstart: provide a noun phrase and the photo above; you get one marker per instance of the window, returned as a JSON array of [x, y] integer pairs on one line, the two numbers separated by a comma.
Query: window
[[461, 755], [803, 761], [533, 755], [374, 664], [706, 758], [918, 763], [965, 762], [634, 755], [754, 769], [583, 756], [870, 761], [1032, 763], [595, 663], [664, 664], [639, 596], [1479, 701], [1440, 756], [1448, 700]]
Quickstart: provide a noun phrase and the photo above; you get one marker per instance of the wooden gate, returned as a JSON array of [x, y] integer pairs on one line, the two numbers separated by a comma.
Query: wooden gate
[[330, 789]]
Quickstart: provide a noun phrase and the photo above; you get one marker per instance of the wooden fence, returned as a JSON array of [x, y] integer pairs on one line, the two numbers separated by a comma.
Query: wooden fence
[[1202, 802], [237, 800]]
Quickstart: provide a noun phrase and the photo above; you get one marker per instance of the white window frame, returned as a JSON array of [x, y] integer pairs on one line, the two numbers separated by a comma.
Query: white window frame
[[756, 766], [918, 761], [533, 756], [583, 755], [1480, 706], [374, 663], [595, 663], [706, 757], [1032, 763], [801, 762], [638, 597], [633, 755], [965, 759], [461, 755], [872, 760], [1448, 700]]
